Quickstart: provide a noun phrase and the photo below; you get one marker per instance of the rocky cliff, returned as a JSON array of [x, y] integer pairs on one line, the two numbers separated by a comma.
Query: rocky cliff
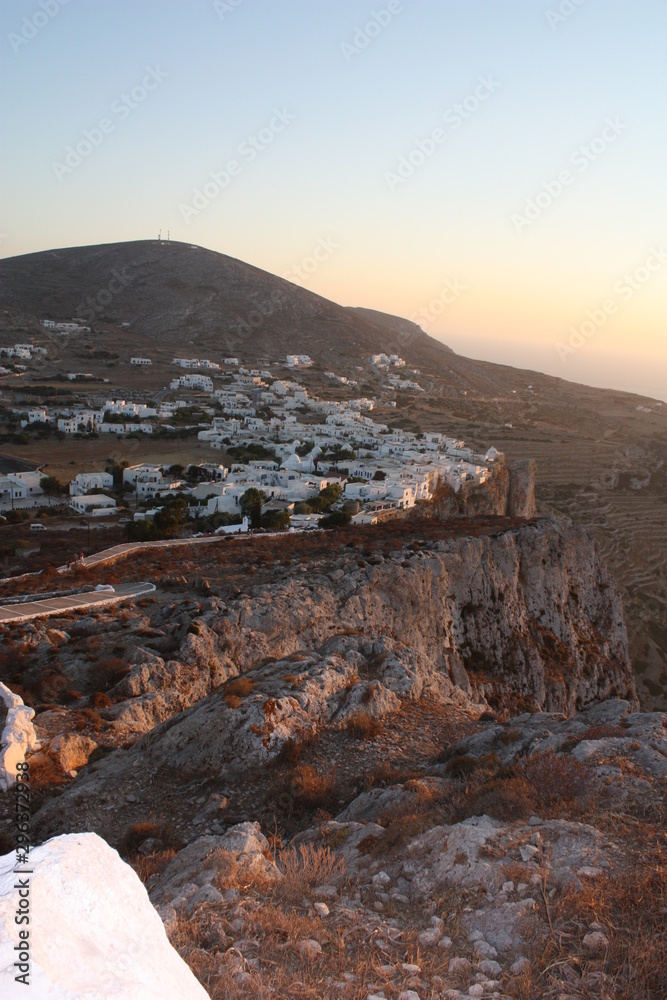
[[529, 615], [510, 492], [525, 618]]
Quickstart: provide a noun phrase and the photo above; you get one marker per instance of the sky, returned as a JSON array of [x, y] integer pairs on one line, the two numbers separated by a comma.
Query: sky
[[492, 169]]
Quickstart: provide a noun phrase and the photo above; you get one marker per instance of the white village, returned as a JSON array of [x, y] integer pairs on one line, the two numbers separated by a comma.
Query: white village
[[283, 441]]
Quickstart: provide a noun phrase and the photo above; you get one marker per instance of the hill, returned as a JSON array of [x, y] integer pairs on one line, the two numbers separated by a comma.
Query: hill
[[402, 328], [175, 293]]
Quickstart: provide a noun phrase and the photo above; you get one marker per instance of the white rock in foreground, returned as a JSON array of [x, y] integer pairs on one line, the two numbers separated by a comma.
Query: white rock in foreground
[[18, 736], [94, 934]]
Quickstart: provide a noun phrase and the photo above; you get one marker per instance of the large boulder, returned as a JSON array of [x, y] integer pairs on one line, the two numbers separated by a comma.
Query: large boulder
[[93, 931]]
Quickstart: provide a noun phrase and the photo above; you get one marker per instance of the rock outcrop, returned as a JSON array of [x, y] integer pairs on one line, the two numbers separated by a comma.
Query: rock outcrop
[[93, 932], [18, 735], [508, 492], [529, 614], [461, 908]]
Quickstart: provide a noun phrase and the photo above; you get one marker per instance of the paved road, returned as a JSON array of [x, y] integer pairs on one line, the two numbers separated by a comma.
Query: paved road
[[61, 605], [118, 550]]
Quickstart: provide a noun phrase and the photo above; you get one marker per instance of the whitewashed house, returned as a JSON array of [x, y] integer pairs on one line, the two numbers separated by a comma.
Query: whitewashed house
[[90, 482], [93, 504]]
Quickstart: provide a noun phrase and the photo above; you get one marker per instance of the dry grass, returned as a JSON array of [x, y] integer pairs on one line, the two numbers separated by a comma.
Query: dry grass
[[364, 727], [304, 868], [274, 967], [152, 864], [631, 904], [313, 789]]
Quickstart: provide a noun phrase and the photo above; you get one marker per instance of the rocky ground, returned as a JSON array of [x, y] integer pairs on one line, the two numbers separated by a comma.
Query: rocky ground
[[399, 762], [506, 873]]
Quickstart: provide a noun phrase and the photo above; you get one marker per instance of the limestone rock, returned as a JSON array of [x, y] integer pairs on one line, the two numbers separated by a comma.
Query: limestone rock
[[120, 947], [71, 751]]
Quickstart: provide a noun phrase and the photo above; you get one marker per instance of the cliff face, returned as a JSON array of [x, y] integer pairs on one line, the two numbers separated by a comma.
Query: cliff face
[[509, 492], [526, 617]]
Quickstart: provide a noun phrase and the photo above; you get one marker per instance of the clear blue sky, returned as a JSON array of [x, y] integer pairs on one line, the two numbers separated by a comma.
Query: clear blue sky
[[358, 87]]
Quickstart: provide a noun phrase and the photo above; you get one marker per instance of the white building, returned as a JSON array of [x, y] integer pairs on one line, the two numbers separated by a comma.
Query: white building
[[94, 504], [90, 482], [141, 361], [38, 415], [298, 361], [31, 481], [192, 382]]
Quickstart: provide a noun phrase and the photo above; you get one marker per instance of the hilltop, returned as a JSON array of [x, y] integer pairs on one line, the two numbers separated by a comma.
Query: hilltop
[[176, 293]]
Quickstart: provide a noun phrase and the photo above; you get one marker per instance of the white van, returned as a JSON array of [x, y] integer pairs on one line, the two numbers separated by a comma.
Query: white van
[[36, 526]]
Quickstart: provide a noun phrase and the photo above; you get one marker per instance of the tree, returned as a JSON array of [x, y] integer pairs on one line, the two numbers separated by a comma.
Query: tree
[[379, 474], [116, 471], [251, 505], [51, 486], [330, 494], [168, 520], [337, 519], [276, 519]]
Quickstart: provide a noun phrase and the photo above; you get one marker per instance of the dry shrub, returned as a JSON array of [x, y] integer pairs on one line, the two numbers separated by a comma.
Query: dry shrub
[[461, 767], [503, 798], [89, 718], [553, 778], [364, 727], [239, 686], [152, 864], [100, 700], [312, 789], [305, 867], [510, 735], [548, 783], [110, 671], [386, 774], [426, 808], [233, 701], [136, 834], [602, 730], [294, 747]]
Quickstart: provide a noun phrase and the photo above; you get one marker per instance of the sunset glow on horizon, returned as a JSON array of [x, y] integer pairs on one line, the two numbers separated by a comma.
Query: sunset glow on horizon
[[494, 174]]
